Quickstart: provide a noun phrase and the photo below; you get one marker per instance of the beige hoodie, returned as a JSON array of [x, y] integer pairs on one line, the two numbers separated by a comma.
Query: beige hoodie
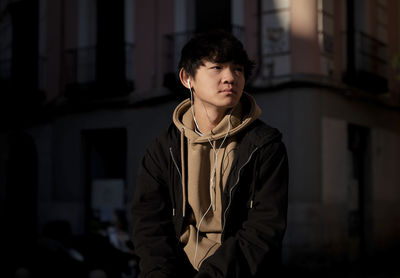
[[209, 160]]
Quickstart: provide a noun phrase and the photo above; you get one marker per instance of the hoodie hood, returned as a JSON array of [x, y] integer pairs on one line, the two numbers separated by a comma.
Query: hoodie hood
[[245, 112]]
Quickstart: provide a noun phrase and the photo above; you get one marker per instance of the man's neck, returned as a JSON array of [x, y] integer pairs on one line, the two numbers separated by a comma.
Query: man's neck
[[208, 118]]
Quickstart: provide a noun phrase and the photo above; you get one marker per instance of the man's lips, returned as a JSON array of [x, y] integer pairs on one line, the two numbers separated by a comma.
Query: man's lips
[[228, 90]]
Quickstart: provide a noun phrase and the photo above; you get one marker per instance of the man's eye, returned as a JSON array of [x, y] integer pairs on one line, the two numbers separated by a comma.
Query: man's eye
[[216, 67], [239, 70]]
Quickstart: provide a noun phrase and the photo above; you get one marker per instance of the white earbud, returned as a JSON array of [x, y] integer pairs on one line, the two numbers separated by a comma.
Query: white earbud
[[188, 82]]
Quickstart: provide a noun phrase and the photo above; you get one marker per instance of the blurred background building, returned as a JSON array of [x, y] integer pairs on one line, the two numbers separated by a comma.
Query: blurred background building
[[86, 85]]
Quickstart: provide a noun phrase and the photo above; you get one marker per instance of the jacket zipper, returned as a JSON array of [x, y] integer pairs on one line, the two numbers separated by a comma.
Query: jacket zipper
[[233, 187], [176, 164], [179, 172]]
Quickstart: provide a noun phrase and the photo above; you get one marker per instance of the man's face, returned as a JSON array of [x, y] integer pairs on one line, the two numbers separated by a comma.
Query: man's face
[[218, 85]]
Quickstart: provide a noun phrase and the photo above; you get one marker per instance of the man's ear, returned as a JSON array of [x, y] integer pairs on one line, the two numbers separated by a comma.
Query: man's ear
[[185, 78]]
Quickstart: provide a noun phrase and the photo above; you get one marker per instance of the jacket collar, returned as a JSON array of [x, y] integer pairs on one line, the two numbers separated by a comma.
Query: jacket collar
[[254, 136]]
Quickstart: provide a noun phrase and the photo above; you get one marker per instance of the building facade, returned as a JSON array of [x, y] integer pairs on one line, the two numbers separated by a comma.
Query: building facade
[[86, 85]]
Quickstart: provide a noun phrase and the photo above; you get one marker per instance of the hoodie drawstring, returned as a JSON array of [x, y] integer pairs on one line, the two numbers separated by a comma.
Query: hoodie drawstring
[[184, 191], [172, 188], [253, 184]]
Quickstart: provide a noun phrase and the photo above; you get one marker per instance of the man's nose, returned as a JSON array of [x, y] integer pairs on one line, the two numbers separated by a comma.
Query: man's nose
[[229, 75]]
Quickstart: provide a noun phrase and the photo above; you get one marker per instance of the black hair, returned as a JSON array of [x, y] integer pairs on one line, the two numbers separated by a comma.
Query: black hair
[[216, 46]]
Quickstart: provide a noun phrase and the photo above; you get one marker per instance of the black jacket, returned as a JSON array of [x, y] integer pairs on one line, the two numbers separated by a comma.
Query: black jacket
[[254, 204]]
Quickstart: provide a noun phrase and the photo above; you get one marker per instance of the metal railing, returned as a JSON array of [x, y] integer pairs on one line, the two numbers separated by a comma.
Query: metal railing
[[371, 55], [79, 65], [172, 49], [238, 32], [174, 43]]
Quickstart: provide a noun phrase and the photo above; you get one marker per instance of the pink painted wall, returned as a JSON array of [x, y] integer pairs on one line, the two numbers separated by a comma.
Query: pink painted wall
[[251, 29], [304, 37], [153, 20], [339, 51]]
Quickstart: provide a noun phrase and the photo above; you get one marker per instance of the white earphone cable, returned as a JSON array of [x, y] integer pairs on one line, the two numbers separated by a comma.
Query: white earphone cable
[[213, 174]]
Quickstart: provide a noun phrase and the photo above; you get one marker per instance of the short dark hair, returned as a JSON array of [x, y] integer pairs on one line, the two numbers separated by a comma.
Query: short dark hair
[[216, 46]]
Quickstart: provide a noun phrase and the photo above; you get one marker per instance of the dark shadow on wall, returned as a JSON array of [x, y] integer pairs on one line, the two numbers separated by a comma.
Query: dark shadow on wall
[[20, 215]]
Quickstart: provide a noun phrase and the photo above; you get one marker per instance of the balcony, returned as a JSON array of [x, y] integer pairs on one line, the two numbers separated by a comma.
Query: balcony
[[79, 67], [173, 44], [372, 55], [172, 49], [83, 76], [368, 67]]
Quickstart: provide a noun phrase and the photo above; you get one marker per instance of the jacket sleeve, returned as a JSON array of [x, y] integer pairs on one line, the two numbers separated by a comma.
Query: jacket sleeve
[[153, 232], [255, 248]]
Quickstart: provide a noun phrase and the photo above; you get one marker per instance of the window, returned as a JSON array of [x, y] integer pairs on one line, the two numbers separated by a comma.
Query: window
[[360, 188], [193, 16], [105, 171], [275, 39], [217, 17], [19, 45], [101, 65], [366, 46]]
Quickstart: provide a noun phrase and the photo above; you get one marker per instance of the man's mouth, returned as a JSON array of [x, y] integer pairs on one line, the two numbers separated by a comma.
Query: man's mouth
[[229, 90]]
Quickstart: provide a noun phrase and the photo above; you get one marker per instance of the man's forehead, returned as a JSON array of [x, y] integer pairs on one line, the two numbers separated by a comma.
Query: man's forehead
[[204, 61]]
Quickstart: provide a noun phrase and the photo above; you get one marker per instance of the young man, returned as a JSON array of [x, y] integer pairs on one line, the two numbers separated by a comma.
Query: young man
[[211, 194]]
